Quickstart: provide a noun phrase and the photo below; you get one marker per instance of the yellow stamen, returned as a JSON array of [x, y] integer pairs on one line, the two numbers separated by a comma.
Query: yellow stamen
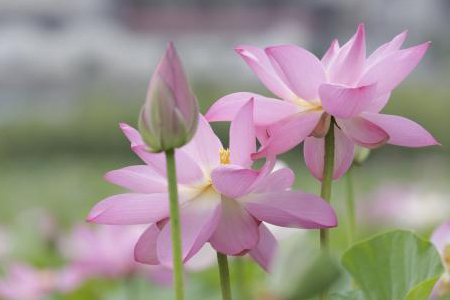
[[224, 155]]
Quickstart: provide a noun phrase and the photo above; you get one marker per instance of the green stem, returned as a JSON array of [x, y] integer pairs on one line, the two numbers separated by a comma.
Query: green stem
[[325, 191], [327, 179], [224, 276], [175, 224], [350, 205], [240, 278]]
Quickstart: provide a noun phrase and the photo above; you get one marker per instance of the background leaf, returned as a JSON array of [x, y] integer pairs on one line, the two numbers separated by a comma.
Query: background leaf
[[396, 265]]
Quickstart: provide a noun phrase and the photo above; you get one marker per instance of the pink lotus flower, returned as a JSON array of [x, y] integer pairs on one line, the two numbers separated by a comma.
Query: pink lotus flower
[[222, 200], [441, 239], [343, 84]]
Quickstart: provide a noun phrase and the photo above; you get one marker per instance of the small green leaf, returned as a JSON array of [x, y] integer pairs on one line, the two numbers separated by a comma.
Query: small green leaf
[[397, 265]]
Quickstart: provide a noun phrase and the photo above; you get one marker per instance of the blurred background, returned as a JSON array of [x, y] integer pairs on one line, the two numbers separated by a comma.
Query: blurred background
[[71, 70]]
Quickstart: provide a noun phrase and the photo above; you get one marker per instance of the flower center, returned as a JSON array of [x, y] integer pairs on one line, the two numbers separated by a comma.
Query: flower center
[[303, 103], [446, 257], [224, 155]]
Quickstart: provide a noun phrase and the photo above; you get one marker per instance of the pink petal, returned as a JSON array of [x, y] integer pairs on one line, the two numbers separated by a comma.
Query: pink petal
[[288, 133], [313, 150], [140, 179], [204, 147], [393, 69], [378, 103], [145, 249], [132, 135], [264, 252], [199, 218], [386, 49], [258, 61], [401, 131], [291, 209], [441, 237], [279, 180], [130, 209], [237, 231], [187, 169], [266, 110], [331, 54], [242, 136], [363, 132], [349, 63], [302, 72], [233, 181], [344, 102]]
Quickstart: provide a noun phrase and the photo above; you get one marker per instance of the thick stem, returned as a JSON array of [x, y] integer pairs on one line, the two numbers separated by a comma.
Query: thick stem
[[350, 203], [224, 276], [175, 224], [327, 178], [240, 279]]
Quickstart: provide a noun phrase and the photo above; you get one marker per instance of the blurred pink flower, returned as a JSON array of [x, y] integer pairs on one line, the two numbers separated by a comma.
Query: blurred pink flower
[[406, 206], [344, 84], [441, 239], [222, 200], [105, 251], [169, 116], [22, 281]]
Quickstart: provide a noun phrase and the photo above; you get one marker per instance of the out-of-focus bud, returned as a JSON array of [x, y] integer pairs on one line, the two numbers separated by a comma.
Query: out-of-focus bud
[[169, 116], [361, 154]]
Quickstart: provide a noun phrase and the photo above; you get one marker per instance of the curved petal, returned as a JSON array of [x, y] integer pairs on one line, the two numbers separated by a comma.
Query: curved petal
[[232, 180], [130, 209], [187, 169], [145, 249], [349, 63], [386, 49], [199, 218], [258, 61], [204, 147], [313, 151], [132, 135], [264, 252], [302, 72], [441, 237], [140, 179], [266, 110], [242, 136], [363, 132], [288, 133], [281, 179], [402, 131], [237, 231], [344, 102], [331, 54], [390, 71], [291, 209], [378, 103]]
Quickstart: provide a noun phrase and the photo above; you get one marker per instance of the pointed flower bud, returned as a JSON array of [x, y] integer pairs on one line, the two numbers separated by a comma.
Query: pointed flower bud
[[169, 116]]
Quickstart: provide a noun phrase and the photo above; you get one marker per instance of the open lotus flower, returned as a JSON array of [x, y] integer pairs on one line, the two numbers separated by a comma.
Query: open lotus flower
[[222, 200], [344, 84], [441, 239]]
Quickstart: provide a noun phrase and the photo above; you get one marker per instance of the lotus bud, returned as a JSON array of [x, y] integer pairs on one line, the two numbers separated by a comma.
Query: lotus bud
[[169, 116], [361, 154]]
